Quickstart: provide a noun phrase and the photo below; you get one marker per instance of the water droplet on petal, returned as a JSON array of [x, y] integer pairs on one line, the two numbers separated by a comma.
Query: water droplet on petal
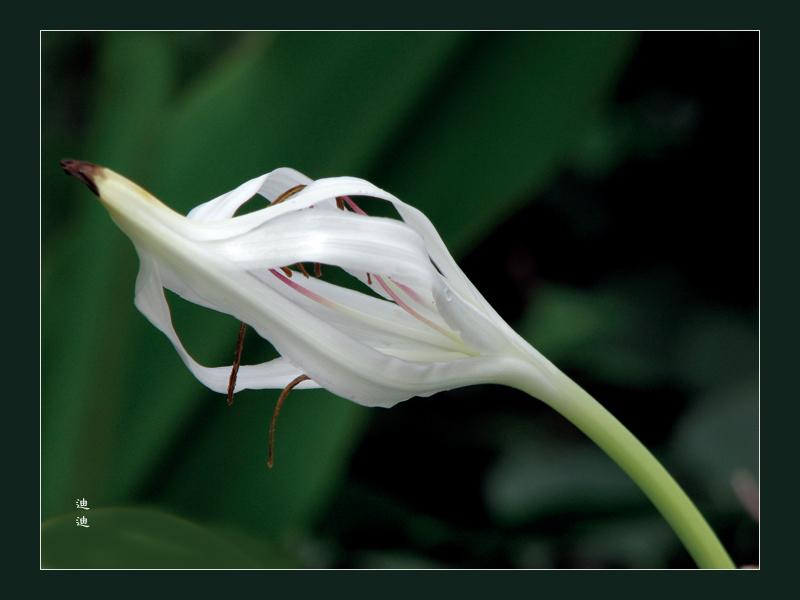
[[448, 294]]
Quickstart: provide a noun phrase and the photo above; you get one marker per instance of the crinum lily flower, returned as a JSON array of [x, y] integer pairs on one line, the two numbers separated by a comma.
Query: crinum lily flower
[[423, 329]]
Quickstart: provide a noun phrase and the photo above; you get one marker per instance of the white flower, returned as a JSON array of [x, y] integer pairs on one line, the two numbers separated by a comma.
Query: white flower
[[427, 330]]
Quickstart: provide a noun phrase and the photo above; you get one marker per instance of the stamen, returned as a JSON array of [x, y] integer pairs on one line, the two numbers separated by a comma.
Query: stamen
[[287, 194], [340, 203], [353, 205], [344, 309], [306, 292], [317, 270], [287, 271], [412, 312], [303, 270], [281, 399], [237, 360], [410, 292], [369, 279]]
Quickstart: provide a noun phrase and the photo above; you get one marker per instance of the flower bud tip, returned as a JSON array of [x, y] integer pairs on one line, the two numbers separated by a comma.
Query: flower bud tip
[[84, 171]]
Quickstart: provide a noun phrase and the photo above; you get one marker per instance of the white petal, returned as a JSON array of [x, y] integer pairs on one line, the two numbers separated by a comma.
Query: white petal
[[281, 180], [151, 302], [225, 206], [270, 186], [351, 241]]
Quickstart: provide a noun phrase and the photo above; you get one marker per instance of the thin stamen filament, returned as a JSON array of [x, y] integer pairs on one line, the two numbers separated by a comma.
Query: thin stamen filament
[[287, 194], [414, 313], [353, 205], [237, 360], [379, 323], [281, 399], [411, 293]]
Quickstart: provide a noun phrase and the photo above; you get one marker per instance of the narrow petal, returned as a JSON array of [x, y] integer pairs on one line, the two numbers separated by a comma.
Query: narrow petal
[[270, 186], [225, 206], [350, 241], [152, 303]]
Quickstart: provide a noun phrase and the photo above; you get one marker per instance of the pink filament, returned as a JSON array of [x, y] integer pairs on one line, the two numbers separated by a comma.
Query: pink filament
[[299, 288], [407, 290], [354, 206]]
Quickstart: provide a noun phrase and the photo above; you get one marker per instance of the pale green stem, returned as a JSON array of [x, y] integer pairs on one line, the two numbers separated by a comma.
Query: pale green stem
[[628, 452]]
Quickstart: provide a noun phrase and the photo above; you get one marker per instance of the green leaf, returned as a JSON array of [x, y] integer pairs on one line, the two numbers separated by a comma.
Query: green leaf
[[129, 538], [600, 331], [716, 440], [221, 475], [637, 543], [87, 290], [533, 479]]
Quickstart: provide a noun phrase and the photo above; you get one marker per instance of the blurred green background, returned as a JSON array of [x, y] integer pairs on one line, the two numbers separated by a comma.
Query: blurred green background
[[600, 189]]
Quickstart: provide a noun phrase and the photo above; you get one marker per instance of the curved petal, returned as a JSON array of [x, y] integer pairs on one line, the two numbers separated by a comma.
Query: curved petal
[[347, 240], [280, 180], [152, 303], [225, 206], [316, 193], [270, 186]]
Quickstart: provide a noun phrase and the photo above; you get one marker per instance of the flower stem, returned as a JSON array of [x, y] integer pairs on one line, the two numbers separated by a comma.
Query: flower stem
[[629, 453]]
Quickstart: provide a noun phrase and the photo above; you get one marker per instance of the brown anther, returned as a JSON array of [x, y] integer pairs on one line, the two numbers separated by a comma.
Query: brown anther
[[303, 270], [287, 194], [340, 203], [237, 360], [287, 271], [281, 399], [369, 279], [317, 270]]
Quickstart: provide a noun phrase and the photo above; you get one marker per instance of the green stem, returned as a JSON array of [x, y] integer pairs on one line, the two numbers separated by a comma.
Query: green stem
[[627, 451]]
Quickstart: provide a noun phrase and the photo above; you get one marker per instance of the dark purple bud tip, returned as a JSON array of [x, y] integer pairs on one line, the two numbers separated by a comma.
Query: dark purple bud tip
[[84, 171]]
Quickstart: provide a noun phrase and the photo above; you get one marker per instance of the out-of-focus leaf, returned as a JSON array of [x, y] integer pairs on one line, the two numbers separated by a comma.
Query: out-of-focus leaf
[[533, 554], [222, 474], [636, 543], [395, 560], [583, 329], [266, 553], [322, 103], [639, 329], [716, 439], [499, 124], [127, 538], [605, 331], [714, 347], [86, 308], [534, 479]]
